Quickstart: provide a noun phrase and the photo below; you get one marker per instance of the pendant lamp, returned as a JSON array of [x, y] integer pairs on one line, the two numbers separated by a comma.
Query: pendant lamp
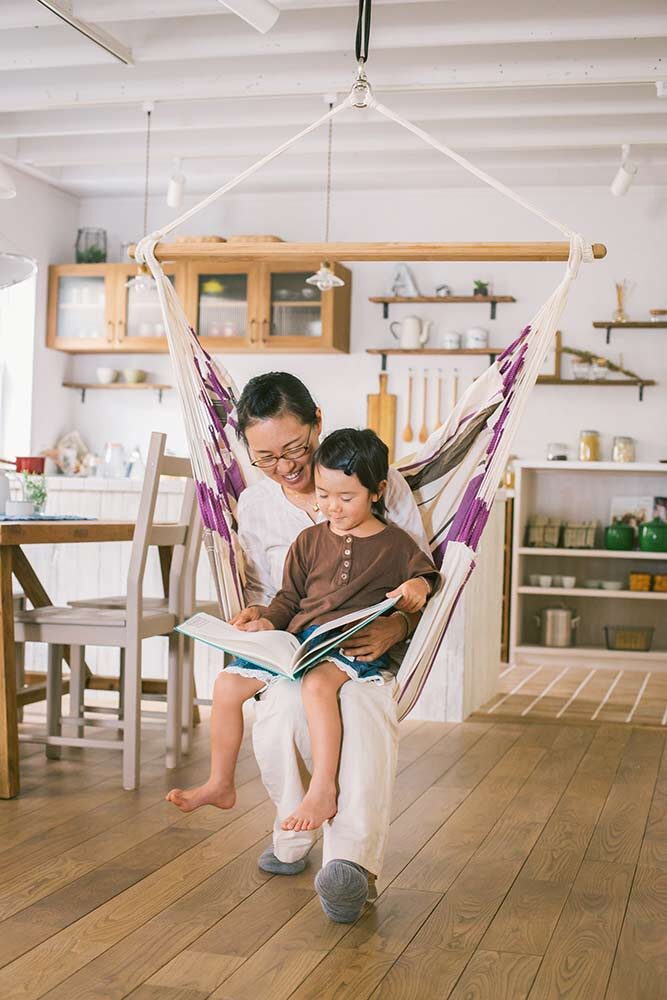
[[143, 280], [14, 267], [324, 278]]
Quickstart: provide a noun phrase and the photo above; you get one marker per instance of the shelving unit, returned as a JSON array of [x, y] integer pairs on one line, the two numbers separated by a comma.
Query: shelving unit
[[610, 383], [83, 387], [576, 491], [609, 325], [387, 300], [490, 352]]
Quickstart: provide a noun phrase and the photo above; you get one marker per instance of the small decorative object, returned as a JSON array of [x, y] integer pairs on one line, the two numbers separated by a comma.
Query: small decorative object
[[599, 369], [633, 510], [412, 332], [476, 338], [581, 371], [622, 289], [70, 454], [480, 288], [556, 452], [660, 583], [91, 246], [579, 534], [653, 536], [630, 638], [34, 490], [640, 581], [589, 446], [443, 291], [623, 449], [543, 532], [134, 375], [568, 582], [658, 315], [451, 340], [403, 285], [619, 537], [105, 376], [509, 475]]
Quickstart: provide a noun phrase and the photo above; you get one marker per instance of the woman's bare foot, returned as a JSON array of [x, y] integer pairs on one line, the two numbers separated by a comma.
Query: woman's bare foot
[[317, 807], [222, 796]]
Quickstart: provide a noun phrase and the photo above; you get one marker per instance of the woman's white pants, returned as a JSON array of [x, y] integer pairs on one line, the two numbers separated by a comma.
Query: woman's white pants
[[358, 832]]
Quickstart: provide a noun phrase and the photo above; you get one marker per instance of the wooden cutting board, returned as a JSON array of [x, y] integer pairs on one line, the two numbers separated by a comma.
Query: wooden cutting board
[[381, 414]]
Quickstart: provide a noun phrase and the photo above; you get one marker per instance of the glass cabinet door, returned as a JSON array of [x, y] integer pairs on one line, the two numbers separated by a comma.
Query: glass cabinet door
[[295, 308], [140, 324], [219, 304], [80, 310]]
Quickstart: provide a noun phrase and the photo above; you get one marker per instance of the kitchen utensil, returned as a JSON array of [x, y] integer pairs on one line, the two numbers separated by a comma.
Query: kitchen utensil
[[423, 432], [620, 537], [105, 376], [611, 585], [408, 433], [438, 413], [569, 582], [381, 414], [134, 375], [623, 449], [475, 338], [451, 340], [589, 446], [653, 536], [30, 463], [19, 508], [556, 452], [412, 332], [592, 584], [631, 638], [544, 580], [557, 626]]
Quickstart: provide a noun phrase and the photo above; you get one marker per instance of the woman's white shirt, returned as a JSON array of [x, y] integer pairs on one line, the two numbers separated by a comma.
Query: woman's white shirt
[[268, 523]]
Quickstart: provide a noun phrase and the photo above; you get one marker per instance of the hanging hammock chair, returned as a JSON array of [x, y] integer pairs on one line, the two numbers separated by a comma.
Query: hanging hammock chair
[[456, 473]]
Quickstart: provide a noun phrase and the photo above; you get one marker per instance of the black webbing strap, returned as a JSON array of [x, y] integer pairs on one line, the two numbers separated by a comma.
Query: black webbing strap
[[363, 30]]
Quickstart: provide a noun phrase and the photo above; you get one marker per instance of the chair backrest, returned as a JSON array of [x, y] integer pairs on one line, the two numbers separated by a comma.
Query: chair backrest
[[174, 535]]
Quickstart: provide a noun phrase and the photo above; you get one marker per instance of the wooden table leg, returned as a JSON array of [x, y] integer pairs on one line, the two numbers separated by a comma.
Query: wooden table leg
[[9, 740]]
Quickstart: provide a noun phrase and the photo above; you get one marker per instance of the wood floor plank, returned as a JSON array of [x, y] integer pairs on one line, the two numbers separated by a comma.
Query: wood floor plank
[[492, 975], [527, 917], [640, 963]]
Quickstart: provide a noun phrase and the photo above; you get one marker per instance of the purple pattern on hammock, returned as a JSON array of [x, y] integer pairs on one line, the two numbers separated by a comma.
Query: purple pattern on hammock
[[443, 444], [515, 343]]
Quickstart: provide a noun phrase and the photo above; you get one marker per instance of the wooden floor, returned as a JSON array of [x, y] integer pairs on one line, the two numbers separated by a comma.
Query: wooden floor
[[579, 694], [525, 860]]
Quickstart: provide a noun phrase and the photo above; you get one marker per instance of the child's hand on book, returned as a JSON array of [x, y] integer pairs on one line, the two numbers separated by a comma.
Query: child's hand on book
[[259, 625], [413, 594]]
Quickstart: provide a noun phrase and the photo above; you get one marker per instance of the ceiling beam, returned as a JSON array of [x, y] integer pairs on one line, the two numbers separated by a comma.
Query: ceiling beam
[[91, 32]]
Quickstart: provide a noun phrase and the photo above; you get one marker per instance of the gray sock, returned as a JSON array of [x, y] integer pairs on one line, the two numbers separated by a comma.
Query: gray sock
[[268, 862], [343, 889]]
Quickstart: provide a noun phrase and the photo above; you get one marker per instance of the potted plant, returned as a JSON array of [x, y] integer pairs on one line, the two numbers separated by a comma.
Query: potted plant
[[480, 288]]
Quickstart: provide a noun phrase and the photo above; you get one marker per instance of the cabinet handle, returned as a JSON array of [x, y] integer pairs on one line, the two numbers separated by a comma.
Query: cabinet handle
[[265, 327], [110, 330], [253, 328]]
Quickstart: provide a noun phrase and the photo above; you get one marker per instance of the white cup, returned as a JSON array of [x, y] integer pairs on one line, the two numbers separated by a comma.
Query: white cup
[[451, 340], [19, 508], [534, 580], [476, 338], [569, 582], [545, 580]]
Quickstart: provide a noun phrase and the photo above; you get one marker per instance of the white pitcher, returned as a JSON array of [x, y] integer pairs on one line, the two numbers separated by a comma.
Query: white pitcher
[[413, 332]]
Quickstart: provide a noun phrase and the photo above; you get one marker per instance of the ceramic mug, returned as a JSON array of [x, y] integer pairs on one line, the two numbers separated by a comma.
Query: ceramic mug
[[475, 338], [451, 340], [545, 580]]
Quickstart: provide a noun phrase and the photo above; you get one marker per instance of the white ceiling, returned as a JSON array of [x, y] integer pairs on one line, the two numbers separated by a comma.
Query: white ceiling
[[539, 94]]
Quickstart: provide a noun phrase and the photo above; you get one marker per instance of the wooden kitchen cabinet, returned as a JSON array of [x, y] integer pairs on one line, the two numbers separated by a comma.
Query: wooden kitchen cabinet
[[92, 311], [232, 307]]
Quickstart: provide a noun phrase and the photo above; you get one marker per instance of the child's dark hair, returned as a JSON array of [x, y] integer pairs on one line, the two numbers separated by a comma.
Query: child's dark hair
[[272, 395], [356, 453]]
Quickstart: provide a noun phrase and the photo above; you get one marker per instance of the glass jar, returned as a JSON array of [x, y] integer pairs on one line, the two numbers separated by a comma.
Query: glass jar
[[623, 449], [589, 446], [556, 452], [114, 461], [91, 246], [34, 490], [509, 474]]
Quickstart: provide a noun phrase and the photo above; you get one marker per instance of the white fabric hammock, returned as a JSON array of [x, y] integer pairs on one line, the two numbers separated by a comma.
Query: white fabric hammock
[[454, 476]]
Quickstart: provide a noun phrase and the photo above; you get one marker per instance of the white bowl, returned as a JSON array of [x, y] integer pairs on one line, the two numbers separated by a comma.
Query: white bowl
[[105, 376], [592, 584], [134, 375], [569, 582], [19, 508], [545, 580], [611, 585]]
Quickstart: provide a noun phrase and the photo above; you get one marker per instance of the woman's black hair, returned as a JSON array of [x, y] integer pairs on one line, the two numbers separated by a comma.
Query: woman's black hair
[[356, 453], [272, 395]]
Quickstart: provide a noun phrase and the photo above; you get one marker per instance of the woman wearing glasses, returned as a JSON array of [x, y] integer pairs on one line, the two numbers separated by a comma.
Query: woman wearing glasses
[[280, 425]]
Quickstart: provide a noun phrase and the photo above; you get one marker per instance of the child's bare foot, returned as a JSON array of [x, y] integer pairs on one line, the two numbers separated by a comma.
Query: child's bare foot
[[222, 796], [317, 807]]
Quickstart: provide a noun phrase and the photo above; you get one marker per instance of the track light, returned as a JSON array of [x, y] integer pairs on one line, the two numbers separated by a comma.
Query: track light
[[625, 174], [259, 14], [176, 187], [7, 185]]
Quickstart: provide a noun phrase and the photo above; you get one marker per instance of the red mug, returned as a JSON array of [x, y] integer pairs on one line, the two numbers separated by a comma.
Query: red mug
[[33, 463]]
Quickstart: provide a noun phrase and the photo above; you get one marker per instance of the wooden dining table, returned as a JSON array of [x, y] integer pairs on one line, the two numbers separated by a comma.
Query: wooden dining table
[[14, 562]]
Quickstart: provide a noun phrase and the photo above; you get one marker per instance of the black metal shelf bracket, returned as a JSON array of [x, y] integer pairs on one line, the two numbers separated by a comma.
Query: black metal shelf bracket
[[608, 338]]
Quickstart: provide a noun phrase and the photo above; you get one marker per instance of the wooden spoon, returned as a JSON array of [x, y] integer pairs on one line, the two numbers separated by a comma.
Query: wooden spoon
[[438, 413], [423, 433], [455, 387], [408, 433]]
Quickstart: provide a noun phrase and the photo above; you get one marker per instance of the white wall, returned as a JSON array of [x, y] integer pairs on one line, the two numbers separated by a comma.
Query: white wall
[[632, 227], [41, 222]]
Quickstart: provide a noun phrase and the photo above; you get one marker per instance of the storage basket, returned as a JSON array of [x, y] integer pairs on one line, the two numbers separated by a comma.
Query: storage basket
[[629, 638], [639, 581], [660, 583], [543, 532], [579, 534]]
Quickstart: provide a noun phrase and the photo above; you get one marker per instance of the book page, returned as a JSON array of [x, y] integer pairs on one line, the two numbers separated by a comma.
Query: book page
[[311, 649], [275, 650]]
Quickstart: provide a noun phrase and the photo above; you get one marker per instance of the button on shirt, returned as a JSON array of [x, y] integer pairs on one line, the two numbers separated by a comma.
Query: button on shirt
[[268, 523]]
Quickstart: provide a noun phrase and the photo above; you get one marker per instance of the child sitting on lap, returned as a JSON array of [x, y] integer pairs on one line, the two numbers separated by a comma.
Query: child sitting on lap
[[348, 563]]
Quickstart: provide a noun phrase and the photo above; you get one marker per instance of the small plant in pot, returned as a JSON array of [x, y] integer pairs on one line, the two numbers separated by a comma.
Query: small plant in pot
[[480, 288]]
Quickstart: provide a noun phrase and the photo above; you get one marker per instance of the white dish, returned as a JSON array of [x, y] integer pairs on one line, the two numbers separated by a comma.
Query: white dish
[[592, 584], [105, 376], [19, 508], [569, 582], [134, 375], [611, 585]]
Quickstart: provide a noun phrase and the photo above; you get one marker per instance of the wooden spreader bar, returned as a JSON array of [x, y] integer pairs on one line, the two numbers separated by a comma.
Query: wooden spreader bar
[[283, 252]]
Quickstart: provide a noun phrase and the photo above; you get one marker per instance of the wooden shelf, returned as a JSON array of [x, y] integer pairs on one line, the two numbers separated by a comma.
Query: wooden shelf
[[591, 554], [83, 387], [387, 300], [574, 655], [490, 352], [635, 595], [298, 304], [609, 325], [638, 383]]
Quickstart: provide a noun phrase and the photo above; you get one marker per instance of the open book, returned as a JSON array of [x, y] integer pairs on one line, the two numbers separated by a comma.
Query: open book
[[281, 652]]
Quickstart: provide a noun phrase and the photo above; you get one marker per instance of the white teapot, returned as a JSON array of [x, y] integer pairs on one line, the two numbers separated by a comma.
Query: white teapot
[[413, 332]]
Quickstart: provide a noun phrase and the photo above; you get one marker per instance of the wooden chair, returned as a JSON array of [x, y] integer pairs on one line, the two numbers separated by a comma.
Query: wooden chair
[[124, 628]]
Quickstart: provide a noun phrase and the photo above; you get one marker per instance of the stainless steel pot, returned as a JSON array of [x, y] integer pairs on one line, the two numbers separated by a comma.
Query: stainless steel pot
[[557, 626]]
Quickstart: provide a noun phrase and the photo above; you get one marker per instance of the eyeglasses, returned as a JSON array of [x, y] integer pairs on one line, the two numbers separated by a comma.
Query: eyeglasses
[[292, 454]]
